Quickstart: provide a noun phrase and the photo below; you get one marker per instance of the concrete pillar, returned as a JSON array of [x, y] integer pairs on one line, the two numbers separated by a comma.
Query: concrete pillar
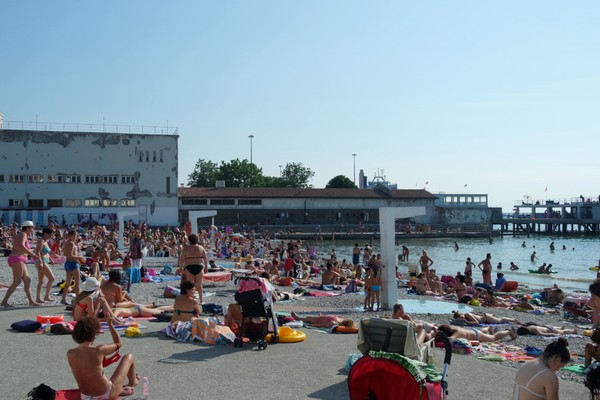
[[194, 215], [387, 222], [121, 218]]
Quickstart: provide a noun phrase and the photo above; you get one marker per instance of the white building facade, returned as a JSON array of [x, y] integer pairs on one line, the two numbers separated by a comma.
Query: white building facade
[[73, 177]]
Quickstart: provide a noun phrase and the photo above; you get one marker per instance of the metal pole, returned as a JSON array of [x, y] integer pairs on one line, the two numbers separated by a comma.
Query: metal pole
[[251, 137], [354, 168], [280, 171]]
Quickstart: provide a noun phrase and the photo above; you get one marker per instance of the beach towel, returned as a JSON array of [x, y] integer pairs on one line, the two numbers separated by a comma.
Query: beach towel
[[217, 276], [577, 368]]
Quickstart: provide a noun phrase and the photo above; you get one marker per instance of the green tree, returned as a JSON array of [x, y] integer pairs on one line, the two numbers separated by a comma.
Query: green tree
[[204, 174], [296, 175], [273, 182], [238, 173], [340, 181]]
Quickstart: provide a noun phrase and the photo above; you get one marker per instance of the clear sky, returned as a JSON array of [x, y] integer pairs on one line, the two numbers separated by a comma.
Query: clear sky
[[500, 96]]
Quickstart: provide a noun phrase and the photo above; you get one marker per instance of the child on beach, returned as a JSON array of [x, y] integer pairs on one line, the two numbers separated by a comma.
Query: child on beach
[[376, 287], [87, 363], [368, 283]]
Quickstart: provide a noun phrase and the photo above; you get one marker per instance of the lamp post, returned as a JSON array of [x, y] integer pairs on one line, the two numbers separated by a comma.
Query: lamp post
[[251, 137], [354, 168], [280, 171]]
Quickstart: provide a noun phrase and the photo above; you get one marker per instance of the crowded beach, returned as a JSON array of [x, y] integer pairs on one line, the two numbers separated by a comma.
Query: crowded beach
[[187, 282]]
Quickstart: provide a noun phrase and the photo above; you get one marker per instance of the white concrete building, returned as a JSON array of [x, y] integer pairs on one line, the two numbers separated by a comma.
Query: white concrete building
[[83, 175]]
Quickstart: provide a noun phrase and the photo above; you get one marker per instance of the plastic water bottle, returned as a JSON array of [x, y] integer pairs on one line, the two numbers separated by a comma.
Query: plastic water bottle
[[47, 329], [145, 388]]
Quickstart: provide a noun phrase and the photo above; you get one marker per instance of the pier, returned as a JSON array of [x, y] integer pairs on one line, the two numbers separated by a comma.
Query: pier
[[564, 217]]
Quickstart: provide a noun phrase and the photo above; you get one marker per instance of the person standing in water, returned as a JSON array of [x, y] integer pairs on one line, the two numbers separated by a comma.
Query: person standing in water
[[486, 271]]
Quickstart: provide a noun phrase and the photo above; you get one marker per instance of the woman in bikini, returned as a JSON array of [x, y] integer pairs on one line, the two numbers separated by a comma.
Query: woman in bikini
[[185, 307], [376, 287], [194, 262], [485, 318], [43, 251], [17, 260], [548, 331], [87, 363], [536, 379]]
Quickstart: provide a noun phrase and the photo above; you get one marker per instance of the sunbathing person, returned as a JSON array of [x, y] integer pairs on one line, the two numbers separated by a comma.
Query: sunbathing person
[[87, 363], [186, 306], [91, 303], [523, 305], [114, 293], [456, 332], [533, 329], [325, 321], [422, 285], [485, 318]]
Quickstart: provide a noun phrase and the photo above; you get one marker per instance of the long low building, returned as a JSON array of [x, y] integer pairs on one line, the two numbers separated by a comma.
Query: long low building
[[288, 206]]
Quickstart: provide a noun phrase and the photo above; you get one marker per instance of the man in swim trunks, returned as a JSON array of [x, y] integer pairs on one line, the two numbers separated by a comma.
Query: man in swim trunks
[[425, 262], [86, 362], [486, 271], [71, 265]]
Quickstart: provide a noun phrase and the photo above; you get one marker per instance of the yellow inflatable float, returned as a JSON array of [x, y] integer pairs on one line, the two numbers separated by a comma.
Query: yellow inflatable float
[[288, 335]]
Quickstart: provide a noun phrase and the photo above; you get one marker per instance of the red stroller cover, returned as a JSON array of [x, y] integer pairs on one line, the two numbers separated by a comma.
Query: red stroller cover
[[384, 379]]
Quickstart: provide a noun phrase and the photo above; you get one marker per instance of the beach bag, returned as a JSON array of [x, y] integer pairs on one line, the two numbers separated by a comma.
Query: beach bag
[[351, 287], [171, 292], [26, 326], [212, 308]]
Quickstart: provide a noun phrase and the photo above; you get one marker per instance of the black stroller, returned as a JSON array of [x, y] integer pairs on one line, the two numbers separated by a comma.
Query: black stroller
[[256, 299]]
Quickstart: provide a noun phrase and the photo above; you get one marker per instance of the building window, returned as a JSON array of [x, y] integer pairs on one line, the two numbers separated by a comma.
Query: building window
[[72, 179], [92, 203], [110, 203], [222, 202], [15, 203], [36, 178], [111, 179], [16, 178], [36, 203], [154, 156], [168, 184], [127, 202], [141, 156], [160, 153], [2, 178], [93, 179], [128, 179], [249, 202], [193, 202], [55, 179], [72, 203], [147, 155], [55, 203]]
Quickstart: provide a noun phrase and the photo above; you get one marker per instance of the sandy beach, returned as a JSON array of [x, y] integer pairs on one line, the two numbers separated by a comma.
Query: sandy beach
[[310, 369]]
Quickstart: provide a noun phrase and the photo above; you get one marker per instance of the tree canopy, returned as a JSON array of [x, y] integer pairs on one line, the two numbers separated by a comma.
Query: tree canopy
[[340, 181], [242, 173]]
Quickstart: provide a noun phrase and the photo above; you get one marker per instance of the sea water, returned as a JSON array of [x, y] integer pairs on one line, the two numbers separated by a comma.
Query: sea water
[[572, 265]]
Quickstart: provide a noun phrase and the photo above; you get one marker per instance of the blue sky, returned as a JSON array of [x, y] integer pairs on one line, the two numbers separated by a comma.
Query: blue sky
[[500, 96]]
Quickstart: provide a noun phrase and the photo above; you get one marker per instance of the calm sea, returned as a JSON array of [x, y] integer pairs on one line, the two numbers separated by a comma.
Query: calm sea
[[572, 265]]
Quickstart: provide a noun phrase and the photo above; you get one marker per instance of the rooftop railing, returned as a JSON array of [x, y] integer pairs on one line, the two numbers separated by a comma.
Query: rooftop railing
[[95, 128]]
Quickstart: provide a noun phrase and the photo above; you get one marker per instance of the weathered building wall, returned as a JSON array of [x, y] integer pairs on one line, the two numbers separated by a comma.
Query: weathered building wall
[[78, 174], [463, 216]]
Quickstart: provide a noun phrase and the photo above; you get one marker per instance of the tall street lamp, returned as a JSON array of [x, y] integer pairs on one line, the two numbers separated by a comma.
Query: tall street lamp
[[354, 167], [280, 171], [251, 137]]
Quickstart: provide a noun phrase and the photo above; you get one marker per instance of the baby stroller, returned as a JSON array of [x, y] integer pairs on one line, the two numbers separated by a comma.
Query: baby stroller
[[393, 363], [255, 296]]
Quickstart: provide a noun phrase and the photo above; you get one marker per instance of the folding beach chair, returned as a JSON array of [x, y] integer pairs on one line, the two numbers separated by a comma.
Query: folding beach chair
[[390, 335]]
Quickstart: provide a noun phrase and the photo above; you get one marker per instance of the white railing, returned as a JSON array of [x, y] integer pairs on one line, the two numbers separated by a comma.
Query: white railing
[[95, 128]]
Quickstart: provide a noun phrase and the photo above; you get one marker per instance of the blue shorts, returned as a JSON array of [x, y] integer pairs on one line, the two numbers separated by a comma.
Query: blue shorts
[[355, 259], [71, 266], [376, 288]]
